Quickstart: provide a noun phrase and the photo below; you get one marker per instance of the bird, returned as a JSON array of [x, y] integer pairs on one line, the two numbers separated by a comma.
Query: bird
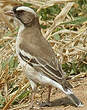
[[37, 57]]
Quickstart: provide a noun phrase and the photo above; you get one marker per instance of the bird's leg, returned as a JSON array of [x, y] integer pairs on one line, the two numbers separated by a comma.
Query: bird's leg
[[49, 92], [34, 87], [32, 100], [47, 103], [42, 95]]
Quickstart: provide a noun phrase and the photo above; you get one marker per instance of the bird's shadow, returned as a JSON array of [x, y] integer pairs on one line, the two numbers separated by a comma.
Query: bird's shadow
[[65, 101]]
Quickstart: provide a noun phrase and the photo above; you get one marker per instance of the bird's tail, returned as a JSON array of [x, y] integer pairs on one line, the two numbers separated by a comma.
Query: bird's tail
[[69, 93], [73, 98]]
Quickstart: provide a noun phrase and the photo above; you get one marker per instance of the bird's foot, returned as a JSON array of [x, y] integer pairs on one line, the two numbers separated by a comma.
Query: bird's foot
[[45, 104]]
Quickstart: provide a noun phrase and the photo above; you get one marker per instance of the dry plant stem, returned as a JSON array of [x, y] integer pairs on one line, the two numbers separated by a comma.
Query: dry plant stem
[[76, 37], [19, 107], [9, 2], [13, 97], [6, 20], [52, 2], [59, 18], [81, 75], [60, 1], [32, 100], [64, 31], [11, 100], [6, 92], [81, 49], [45, 4], [37, 4]]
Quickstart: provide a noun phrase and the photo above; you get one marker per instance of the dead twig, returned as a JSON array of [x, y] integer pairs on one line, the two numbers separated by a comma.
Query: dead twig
[[59, 18]]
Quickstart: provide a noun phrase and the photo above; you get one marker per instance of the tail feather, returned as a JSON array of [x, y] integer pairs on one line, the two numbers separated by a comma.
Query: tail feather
[[68, 92], [73, 98]]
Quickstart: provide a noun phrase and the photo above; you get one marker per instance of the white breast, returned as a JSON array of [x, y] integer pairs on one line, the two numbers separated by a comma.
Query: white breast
[[19, 39]]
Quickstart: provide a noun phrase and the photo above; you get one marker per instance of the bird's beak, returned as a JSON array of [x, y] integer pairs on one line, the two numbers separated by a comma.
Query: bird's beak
[[10, 13]]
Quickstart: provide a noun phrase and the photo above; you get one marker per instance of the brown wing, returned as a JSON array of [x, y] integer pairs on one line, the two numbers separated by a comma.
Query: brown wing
[[47, 70]]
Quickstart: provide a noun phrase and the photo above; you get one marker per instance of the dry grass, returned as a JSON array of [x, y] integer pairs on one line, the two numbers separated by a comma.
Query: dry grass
[[66, 34]]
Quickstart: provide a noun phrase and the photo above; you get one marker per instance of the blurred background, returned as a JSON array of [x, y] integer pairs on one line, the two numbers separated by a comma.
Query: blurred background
[[64, 24]]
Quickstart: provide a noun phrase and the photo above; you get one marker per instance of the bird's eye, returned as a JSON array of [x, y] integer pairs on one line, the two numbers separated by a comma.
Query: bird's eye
[[20, 11]]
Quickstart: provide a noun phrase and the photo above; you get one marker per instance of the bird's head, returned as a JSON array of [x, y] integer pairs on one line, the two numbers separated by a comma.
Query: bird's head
[[23, 14]]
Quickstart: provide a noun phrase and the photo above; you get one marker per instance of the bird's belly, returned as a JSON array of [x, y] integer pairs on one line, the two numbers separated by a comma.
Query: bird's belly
[[37, 77], [32, 74]]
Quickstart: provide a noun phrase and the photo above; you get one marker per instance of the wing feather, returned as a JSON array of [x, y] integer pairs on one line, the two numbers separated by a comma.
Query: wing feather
[[46, 69]]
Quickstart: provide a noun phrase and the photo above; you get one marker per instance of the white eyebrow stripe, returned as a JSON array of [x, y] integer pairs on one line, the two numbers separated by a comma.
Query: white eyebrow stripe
[[26, 9]]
